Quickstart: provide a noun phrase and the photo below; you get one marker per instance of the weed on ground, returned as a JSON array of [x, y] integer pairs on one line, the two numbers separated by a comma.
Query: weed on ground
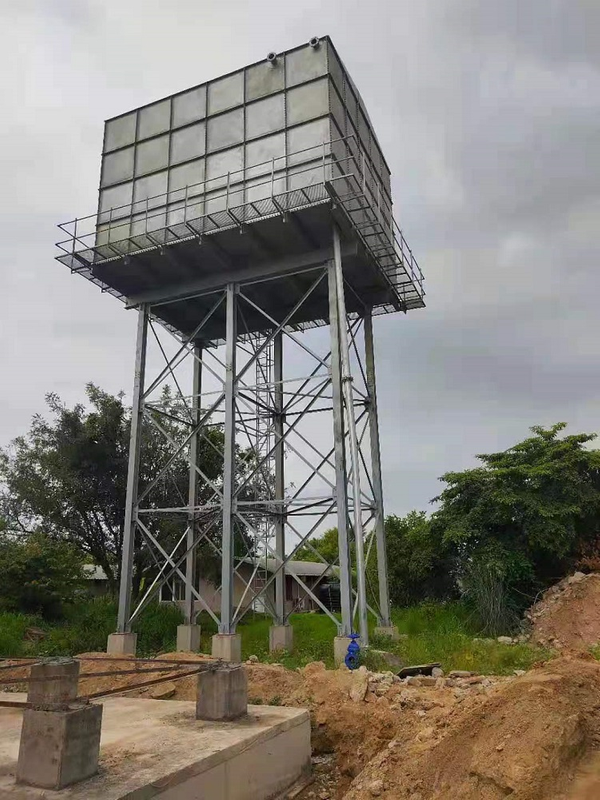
[[443, 632]]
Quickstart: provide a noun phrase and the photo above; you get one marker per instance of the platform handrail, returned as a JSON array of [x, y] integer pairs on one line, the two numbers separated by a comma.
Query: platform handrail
[[338, 162]]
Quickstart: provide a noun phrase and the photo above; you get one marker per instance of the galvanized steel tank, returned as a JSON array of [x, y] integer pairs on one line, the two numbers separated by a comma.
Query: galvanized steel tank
[[287, 136]]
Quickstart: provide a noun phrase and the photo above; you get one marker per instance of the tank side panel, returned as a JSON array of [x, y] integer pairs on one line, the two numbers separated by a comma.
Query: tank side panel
[[273, 127]]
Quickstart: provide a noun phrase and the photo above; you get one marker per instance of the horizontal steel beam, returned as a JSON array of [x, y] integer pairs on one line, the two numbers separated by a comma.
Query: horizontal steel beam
[[218, 280]]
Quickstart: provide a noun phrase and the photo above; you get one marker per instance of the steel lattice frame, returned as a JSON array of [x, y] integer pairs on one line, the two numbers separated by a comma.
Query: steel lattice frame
[[262, 433]]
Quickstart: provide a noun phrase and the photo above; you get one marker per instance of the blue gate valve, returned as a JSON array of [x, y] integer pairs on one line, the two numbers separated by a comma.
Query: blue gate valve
[[352, 659]]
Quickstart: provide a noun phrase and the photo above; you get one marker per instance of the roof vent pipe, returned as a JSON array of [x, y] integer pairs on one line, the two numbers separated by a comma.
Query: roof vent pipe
[[315, 42], [272, 57]]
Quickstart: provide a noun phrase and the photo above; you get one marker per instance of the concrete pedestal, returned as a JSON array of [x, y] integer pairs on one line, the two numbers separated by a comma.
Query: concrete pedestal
[[391, 631], [227, 647], [54, 684], [222, 694], [340, 649], [188, 638], [122, 644], [60, 738], [281, 637], [59, 748]]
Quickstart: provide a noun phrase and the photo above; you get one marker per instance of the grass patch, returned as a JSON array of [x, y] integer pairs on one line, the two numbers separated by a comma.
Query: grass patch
[[459, 651], [448, 633], [85, 628], [313, 638], [444, 632], [435, 618]]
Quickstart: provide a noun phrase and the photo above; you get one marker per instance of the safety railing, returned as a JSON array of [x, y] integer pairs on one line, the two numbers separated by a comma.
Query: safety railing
[[311, 176]]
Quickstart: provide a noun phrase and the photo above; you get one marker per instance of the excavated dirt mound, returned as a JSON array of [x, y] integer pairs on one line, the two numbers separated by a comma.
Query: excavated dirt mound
[[356, 715], [529, 739], [567, 616]]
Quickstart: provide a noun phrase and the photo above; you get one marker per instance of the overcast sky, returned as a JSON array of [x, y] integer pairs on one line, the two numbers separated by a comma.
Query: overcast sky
[[488, 112]]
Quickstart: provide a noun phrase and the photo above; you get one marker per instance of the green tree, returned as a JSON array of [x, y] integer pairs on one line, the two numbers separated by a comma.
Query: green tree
[[67, 477], [421, 566], [326, 545], [521, 518], [39, 574]]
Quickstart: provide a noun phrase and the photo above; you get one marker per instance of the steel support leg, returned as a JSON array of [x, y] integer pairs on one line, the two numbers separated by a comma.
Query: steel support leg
[[137, 410], [352, 441], [341, 488], [190, 561], [227, 565], [382, 569], [279, 478]]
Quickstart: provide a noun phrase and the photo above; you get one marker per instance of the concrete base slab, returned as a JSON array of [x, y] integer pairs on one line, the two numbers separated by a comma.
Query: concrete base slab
[[157, 748], [121, 644], [227, 647], [391, 631], [188, 638], [340, 649], [281, 637]]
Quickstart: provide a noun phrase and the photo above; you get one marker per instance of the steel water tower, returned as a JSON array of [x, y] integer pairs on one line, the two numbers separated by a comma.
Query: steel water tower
[[249, 221]]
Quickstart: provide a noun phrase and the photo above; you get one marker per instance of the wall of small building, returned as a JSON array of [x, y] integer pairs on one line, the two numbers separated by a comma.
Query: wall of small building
[[297, 599]]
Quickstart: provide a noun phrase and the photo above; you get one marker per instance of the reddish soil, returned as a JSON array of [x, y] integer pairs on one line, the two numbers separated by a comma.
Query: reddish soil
[[568, 614], [530, 739]]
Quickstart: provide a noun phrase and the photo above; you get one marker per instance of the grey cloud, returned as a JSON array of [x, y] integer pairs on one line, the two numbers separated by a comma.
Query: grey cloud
[[553, 31], [489, 115]]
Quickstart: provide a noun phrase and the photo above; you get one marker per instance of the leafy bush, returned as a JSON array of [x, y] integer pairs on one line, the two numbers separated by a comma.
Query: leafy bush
[[84, 629], [12, 632], [485, 589], [157, 628], [39, 574], [521, 519]]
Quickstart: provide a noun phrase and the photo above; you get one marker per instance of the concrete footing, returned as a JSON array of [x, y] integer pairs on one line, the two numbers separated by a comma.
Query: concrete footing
[[60, 738], [227, 647], [281, 637], [391, 631], [340, 649], [222, 694], [122, 644], [188, 638]]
